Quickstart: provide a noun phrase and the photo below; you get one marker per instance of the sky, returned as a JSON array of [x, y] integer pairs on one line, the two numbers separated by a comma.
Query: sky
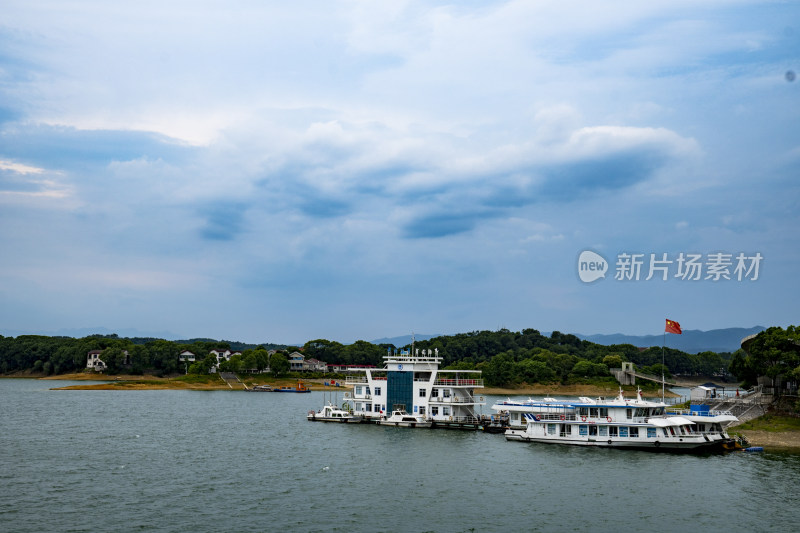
[[268, 171]]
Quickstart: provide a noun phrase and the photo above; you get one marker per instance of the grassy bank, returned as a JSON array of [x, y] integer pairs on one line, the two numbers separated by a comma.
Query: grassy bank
[[773, 432]]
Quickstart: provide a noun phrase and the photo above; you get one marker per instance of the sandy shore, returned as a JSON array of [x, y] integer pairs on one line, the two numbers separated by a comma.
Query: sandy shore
[[772, 440], [127, 382]]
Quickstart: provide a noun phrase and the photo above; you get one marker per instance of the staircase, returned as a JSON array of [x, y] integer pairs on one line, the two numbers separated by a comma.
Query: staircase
[[231, 379]]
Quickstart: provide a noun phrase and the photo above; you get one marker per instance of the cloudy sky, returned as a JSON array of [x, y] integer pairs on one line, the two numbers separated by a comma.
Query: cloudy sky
[[284, 171]]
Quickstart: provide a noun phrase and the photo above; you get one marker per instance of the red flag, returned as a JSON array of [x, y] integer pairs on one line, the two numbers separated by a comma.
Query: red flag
[[672, 327]]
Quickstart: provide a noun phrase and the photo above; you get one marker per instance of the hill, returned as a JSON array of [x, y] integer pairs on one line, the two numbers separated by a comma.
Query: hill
[[690, 341]]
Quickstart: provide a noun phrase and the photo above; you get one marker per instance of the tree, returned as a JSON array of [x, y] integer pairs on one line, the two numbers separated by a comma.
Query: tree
[[613, 361], [279, 365], [774, 352]]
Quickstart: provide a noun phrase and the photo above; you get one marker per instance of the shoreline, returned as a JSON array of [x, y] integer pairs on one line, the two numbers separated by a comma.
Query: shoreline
[[783, 441], [123, 381]]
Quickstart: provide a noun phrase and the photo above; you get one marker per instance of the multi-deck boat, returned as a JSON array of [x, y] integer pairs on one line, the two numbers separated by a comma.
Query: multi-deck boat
[[618, 423], [414, 383]]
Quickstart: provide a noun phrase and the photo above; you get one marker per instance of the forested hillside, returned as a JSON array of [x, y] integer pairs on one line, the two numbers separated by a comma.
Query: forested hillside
[[505, 357]]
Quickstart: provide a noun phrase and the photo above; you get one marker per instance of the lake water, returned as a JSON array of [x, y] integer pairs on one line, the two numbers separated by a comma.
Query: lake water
[[233, 461]]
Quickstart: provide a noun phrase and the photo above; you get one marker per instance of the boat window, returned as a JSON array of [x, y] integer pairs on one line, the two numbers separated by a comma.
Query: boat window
[[422, 410], [623, 431], [369, 407], [434, 392], [593, 430], [377, 391], [583, 411], [604, 412], [593, 412], [583, 430], [641, 411], [376, 408], [651, 433], [446, 410], [367, 391], [701, 427], [612, 431], [634, 431], [604, 431], [446, 393], [434, 410], [359, 390], [421, 393], [629, 413], [568, 428]]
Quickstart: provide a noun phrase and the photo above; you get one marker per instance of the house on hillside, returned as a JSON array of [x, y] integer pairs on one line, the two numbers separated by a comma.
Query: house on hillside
[[94, 362], [186, 355], [315, 365], [296, 362], [224, 355]]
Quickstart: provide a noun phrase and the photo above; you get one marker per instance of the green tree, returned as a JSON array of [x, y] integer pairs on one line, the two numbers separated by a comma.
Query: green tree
[[775, 352], [279, 365]]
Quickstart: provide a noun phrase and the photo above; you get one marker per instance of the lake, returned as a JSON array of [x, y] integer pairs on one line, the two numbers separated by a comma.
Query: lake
[[231, 461]]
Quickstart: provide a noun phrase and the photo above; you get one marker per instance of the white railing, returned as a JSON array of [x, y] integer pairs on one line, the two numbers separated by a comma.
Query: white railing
[[458, 382]]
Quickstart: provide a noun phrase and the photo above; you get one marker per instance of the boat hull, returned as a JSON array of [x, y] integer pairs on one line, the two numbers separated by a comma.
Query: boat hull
[[690, 445], [405, 424]]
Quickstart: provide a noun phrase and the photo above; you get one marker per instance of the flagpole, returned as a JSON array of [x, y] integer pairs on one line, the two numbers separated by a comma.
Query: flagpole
[[662, 364]]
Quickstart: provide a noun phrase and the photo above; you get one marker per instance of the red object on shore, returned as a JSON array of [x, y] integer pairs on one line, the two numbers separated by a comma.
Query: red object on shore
[[672, 327]]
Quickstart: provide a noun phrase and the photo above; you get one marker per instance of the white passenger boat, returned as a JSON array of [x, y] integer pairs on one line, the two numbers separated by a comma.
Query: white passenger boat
[[413, 382], [617, 423], [331, 413], [400, 418]]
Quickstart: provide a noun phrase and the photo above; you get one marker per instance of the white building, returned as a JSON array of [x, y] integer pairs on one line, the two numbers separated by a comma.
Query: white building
[[94, 362], [415, 384]]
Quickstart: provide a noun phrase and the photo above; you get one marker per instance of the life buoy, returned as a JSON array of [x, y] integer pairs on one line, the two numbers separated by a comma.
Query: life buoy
[[563, 417], [609, 442], [583, 419], [608, 418]]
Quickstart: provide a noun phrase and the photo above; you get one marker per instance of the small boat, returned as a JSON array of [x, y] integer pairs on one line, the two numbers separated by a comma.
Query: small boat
[[300, 387], [261, 388], [403, 419], [331, 413]]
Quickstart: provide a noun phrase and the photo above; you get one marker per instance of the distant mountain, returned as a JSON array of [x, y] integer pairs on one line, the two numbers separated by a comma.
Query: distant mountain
[[79, 333], [405, 339], [690, 341]]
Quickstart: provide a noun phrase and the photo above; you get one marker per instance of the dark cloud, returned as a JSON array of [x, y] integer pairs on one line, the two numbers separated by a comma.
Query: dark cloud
[[441, 225], [603, 173], [223, 221], [70, 148]]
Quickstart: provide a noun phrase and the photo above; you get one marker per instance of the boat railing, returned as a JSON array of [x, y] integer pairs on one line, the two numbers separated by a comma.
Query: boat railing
[[458, 399], [458, 382], [458, 419], [353, 380], [681, 412], [556, 417]]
